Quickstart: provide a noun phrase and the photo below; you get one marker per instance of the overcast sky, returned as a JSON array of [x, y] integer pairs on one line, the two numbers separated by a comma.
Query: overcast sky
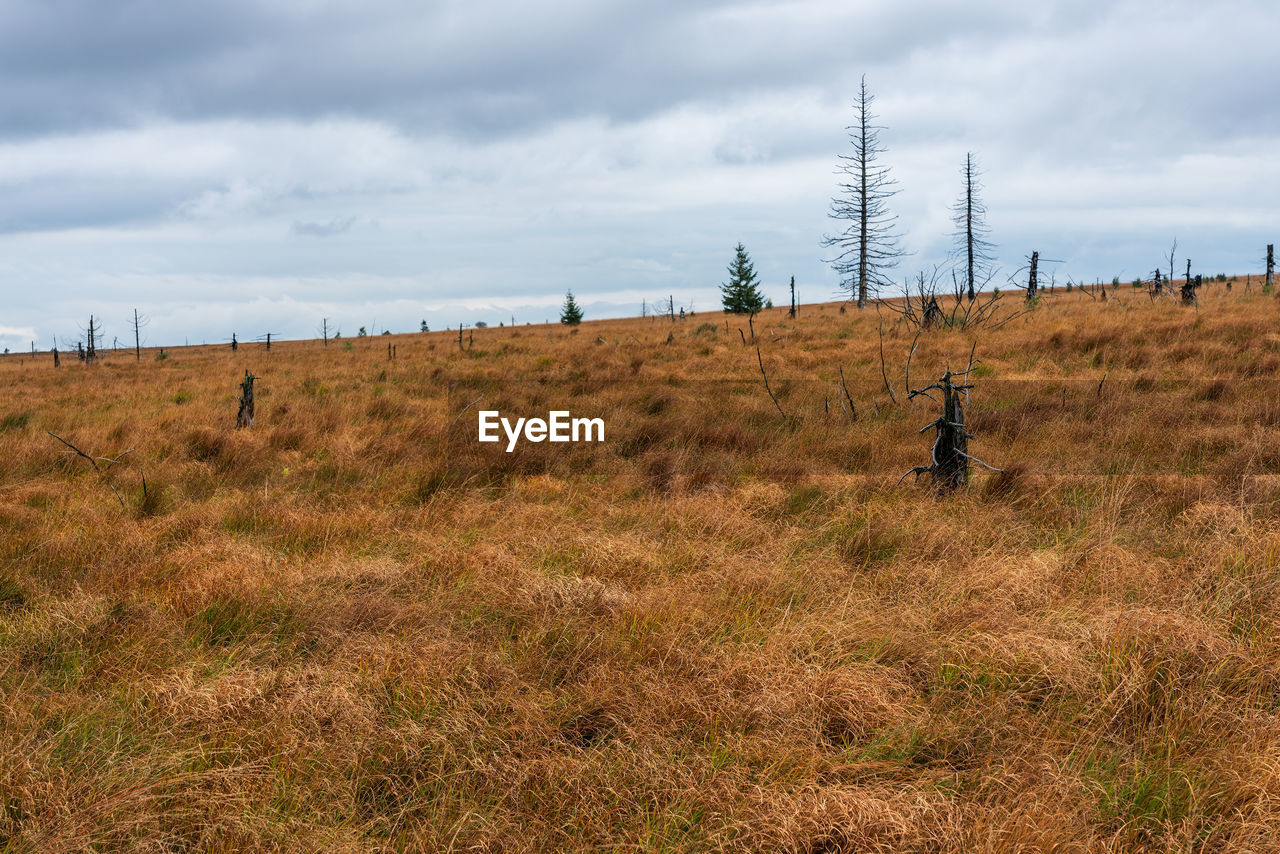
[[257, 166]]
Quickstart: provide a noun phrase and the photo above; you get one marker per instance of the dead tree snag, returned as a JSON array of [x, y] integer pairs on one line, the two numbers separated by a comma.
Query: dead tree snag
[[244, 418], [949, 466]]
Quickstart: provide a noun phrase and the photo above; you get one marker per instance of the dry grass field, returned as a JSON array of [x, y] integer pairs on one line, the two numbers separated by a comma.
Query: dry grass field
[[353, 627]]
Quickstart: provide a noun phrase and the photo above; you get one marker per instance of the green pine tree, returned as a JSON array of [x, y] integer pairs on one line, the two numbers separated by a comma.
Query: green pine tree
[[570, 314], [741, 294]]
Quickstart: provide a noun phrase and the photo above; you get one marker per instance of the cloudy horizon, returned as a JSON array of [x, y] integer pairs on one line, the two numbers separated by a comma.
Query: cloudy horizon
[[250, 168]]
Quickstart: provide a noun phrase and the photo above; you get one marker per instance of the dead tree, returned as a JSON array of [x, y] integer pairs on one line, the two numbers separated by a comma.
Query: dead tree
[[949, 466], [922, 305], [235, 345], [792, 313], [931, 316], [1173, 250], [90, 352], [324, 331], [969, 215], [1271, 269], [1189, 286], [1031, 277], [867, 247], [57, 363], [244, 418], [138, 322]]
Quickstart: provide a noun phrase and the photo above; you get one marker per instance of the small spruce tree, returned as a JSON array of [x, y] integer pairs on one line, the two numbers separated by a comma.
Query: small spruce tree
[[570, 314], [741, 294]]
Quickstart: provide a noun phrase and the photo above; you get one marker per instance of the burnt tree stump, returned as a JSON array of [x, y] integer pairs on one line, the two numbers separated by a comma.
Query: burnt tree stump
[[244, 418], [949, 467]]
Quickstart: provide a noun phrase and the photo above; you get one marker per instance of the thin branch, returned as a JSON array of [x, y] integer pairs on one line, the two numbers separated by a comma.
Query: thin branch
[[907, 379], [91, 460], [883, 372], [760, 360], [464, 411], [979, 462], [853, 410], [917, 471], [110, 460]]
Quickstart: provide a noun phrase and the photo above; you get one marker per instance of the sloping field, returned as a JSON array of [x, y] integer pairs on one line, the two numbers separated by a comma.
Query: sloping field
[[353, 627]]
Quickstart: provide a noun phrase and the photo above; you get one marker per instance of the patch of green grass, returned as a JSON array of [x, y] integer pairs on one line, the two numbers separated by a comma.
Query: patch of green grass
[[12, 596], [14, 421], [803, 499], [1145, 801]]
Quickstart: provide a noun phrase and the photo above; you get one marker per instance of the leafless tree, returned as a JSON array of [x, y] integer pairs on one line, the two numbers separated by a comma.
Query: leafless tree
[[970, 217], [925, 306], [139, 321], [867, 247]]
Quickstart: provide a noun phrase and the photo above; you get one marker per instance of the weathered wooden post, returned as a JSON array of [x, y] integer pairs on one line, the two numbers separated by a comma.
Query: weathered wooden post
[[244, 418], [1031, 278]]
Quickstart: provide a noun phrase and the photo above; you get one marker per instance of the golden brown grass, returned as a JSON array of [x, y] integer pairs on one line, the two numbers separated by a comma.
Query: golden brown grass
[[353, 627]]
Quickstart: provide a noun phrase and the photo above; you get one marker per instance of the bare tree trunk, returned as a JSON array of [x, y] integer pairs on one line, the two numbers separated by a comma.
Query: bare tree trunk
[[864, 215], [137, 337], [244, 418], [968, 198], [1271, 267], [951, 449], [1031, 279], [793, 297], [90, 349], [1189, 287]]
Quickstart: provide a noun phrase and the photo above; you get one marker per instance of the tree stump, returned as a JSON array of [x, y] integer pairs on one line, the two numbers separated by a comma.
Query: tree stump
[[244, 418]]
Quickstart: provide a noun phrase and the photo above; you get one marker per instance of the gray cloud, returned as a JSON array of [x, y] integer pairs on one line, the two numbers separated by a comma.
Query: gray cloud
[[323, 229], [175, 155]]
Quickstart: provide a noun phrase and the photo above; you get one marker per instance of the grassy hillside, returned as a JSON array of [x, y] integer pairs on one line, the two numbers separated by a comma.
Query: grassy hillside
[[354, 627]]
